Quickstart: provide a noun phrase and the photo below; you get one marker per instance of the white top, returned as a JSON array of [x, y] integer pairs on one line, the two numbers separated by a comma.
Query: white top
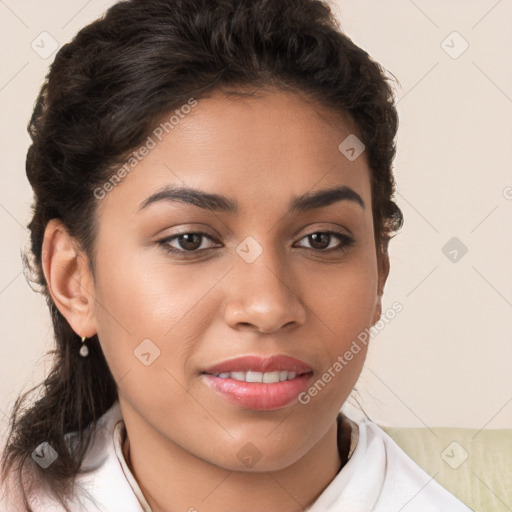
[[378, 476]]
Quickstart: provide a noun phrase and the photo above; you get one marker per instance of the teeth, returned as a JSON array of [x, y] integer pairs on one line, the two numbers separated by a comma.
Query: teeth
[[266, 378], [238, 375], [271, 377], [254, 377]]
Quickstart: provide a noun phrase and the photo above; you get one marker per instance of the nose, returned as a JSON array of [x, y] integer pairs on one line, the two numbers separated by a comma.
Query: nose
[[263, 295]]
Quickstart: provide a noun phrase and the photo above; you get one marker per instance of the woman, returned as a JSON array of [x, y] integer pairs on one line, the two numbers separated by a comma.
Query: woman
[[213, 205]]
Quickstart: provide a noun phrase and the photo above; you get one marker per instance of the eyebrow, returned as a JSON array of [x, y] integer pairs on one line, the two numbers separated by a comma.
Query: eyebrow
[[220, 203]]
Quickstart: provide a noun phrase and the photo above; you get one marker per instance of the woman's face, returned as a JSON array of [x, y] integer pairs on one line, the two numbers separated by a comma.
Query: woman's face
[[262, 282]]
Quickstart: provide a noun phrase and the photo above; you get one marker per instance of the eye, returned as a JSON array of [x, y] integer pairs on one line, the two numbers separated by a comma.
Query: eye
[[323, 241], [187, 242]]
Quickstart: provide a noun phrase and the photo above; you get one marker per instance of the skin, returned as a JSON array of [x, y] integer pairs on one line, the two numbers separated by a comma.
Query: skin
[[294, 299]]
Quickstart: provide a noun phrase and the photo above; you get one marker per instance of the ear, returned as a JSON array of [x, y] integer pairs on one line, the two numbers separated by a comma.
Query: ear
[[69, 279], [383, 272]]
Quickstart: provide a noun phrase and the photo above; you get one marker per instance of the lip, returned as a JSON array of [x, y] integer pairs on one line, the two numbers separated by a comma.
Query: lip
[[258, 395], [274, 363]]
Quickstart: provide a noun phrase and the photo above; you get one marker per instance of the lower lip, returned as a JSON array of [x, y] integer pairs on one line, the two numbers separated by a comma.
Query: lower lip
[[257, 395]]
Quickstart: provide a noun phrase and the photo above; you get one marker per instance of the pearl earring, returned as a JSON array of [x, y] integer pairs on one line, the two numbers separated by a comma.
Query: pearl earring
[[84, 351]]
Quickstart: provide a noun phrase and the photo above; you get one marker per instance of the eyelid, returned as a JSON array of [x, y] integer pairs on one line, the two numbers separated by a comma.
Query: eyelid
[[311, 228]]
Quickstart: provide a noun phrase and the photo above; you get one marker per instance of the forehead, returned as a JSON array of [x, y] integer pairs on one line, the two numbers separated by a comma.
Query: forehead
[[257, 149]]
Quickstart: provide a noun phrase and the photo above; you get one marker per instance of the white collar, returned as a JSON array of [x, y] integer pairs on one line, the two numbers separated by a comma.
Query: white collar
[[118, 436]]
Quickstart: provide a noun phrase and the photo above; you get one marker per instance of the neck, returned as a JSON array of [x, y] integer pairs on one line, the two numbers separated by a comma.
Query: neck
[[179, 481]]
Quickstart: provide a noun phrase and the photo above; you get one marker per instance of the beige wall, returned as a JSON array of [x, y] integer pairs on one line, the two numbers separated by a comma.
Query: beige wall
[[446, 358]]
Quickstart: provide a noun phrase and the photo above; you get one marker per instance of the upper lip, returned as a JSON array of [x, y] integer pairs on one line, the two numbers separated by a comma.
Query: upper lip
[[260, 364]]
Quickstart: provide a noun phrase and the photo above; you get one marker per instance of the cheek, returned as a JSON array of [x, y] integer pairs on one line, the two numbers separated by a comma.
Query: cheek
[[142, 297], [344, 298], [343, 309], [343, 303]]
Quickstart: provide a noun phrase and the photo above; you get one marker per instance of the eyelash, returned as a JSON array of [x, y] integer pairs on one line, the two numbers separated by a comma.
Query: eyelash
[[345, 240]]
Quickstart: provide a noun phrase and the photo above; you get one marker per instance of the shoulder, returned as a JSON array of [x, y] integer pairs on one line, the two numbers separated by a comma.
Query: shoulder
[[12, 498], [379, 476], [407, 481], [400, 480], [100, 486]]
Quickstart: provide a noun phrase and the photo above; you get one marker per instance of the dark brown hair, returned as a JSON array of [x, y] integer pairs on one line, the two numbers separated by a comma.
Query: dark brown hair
[[103, 95]]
